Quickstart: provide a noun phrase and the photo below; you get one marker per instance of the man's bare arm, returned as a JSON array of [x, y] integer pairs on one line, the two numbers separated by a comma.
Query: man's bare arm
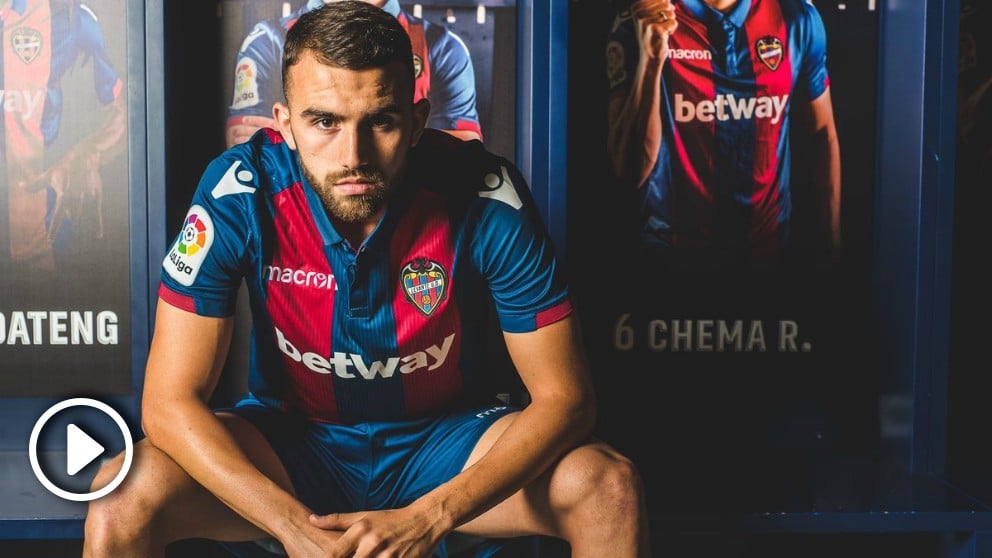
[[634, 116], [561, 414], [825, 149], [185, 361]]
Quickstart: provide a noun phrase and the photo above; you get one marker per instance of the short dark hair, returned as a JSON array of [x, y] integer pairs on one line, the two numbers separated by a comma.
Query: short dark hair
[[348, 34]]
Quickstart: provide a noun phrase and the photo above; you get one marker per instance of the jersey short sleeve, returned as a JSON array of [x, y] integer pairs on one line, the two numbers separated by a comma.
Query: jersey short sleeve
[[813, 79], [106, 80], [258, 72], [204, 266], [452, 93], [514, 253]]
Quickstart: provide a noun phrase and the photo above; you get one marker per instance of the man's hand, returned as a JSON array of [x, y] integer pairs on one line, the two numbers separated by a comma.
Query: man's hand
[[312, 543], [655, 22], [241, 128], [402, 532], [78, 188]]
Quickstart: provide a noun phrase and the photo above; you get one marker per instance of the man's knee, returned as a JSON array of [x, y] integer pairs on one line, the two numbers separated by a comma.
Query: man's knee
[[604, 481], [126, 514]]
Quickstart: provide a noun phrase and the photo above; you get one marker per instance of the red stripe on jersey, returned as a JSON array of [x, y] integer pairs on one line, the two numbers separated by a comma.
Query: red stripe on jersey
[[425, 232], [765, 24], [695, 140], [300, 289], [557, 312], [27, 64], [180, 301], [470, 126]]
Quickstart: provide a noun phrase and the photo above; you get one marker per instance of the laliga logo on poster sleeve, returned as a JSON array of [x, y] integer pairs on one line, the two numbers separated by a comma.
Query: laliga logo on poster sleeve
[[190, 249], [245, 84]]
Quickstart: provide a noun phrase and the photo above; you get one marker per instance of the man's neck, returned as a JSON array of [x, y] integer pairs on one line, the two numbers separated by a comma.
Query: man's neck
[[722, 5], [356, 233]]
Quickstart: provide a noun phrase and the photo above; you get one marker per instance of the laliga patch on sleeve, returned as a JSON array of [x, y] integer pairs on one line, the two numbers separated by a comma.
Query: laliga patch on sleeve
[[245, 84], [189, 251]]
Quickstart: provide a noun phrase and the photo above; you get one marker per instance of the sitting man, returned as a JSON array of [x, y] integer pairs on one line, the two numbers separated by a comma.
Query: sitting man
[[372, 248]]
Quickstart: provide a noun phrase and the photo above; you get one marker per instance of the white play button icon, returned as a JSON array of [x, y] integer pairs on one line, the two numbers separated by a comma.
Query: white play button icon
[[81, 449]]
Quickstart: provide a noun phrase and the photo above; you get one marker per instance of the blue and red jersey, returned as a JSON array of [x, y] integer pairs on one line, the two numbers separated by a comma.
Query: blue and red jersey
[[390, 329], [722, 177], [442, 66], [41, 42]]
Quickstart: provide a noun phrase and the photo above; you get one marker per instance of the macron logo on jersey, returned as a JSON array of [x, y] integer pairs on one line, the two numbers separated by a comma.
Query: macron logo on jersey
[[500, 188], [729, 106], [233, 182], [25, 102], [300, 277], [689, 54], [342, 364]]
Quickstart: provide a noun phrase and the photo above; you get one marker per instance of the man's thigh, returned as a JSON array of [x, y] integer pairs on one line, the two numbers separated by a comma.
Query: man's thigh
[[182, 507]]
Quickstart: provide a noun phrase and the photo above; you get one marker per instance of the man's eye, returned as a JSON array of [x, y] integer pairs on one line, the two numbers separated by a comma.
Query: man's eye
[[324, 123], [383, 122]]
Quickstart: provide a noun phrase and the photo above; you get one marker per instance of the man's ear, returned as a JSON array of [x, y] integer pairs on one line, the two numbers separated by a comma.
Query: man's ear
[[280, 113], [421, 110]]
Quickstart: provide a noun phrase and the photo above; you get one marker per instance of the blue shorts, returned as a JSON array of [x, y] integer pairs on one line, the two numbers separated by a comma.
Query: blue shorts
[[372, 465]]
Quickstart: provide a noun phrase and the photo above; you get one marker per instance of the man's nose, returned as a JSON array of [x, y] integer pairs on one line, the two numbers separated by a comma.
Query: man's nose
[[355, 147]]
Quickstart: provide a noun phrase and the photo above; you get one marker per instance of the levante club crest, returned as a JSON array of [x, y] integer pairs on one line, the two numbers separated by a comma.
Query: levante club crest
[[425, 283], [769, 51], [26, 43]]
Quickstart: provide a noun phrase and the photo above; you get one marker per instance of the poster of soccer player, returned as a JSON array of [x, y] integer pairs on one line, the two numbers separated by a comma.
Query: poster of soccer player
[[64, 198], [720, 244], [464, 58]]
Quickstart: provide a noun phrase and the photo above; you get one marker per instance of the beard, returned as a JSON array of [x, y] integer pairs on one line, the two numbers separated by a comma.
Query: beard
[[353, 208]]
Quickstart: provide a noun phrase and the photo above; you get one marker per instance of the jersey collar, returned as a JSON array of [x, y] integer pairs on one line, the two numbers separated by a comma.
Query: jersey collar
[[703, 12], [17, 6], [392, 6]]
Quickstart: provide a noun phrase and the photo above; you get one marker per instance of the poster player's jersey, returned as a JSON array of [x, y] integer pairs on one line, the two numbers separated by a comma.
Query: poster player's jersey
[[393, 328], [442, 66], [722, 175], [40, 44]]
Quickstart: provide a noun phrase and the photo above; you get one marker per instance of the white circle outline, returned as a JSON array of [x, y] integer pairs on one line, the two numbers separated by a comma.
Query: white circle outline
[[76, 402]]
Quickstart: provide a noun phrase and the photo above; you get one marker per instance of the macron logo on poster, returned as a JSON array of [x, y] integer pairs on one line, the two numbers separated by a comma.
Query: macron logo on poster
[[189, 251]]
